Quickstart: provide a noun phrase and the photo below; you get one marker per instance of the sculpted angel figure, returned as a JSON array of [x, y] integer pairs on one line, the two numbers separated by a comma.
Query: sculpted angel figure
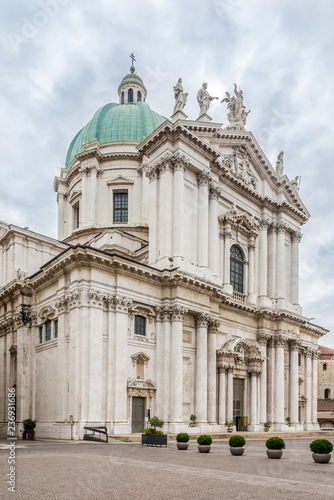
[[237, 114], [180, 96]]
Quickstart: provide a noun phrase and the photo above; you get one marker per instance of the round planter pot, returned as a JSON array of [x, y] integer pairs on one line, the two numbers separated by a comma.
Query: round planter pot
[[204, 448], [237, 450], [230, 429], [266, 429], [182, 446], [321, 458], [274, 453]]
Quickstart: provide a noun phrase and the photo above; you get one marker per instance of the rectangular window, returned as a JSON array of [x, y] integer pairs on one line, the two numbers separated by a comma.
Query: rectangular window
[[48, 330], [40, 334], [121, 207], [56, 329], [140, 324], [76, 215]]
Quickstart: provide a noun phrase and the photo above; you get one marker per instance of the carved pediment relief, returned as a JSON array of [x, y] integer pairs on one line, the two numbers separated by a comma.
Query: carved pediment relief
[[242, 351], [46, 313], [240, 221], [141, 357], [141, 384], [239, 165], [142, 310]]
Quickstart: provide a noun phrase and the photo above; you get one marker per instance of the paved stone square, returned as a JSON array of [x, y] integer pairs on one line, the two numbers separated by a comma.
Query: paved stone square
[[118, 470]]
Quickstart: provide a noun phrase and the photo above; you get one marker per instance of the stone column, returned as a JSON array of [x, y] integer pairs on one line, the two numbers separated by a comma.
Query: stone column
[[144, 191], [111, 384], [272, 259], [121, 323], [166, 315], [281, 262], [84, 197], [222, 395], [315, 387], [152, 174], [227, 257], [271, 380], [229, 409], [160, 361], [180, 165], [60, 200], [262, 340], [96, 347], [221, 255], [165, 209], [201, 373], [294, 382], [93, 191], [253, 402], [263, 275], [203, 219], [251, 272], [308, 387], [279, 380], [213, 230], [24, 358], [295, 240], [212, 372], [176, 365]]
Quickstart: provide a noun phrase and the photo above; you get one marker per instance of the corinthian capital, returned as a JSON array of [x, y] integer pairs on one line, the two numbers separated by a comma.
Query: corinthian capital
[[204, 179], [178, 313], [202, 319], [264, 223], [296, 237], [179, 162]]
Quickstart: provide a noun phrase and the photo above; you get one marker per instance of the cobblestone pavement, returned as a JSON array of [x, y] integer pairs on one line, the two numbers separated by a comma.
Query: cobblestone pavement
[[93, 471]]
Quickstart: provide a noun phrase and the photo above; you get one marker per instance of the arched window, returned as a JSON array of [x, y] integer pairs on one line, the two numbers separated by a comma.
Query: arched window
[[327, 393], [324, 366], [122, 98], [237, 269], [130, 95], [138, 96]]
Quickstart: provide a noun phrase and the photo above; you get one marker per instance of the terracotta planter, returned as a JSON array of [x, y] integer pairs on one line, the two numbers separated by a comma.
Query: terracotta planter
[[204, 448], [182, 446], [321, 458], [274, 453], [237, 450]]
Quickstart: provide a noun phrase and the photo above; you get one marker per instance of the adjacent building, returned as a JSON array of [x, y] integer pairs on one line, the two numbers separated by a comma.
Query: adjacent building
[[172, 286], [326, 388]]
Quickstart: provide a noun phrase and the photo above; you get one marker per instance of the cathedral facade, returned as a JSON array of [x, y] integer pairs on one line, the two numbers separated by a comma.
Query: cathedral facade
[[172, 286]]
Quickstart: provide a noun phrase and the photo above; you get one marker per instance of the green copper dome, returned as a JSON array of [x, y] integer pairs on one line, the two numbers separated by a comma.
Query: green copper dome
[[116, 123]]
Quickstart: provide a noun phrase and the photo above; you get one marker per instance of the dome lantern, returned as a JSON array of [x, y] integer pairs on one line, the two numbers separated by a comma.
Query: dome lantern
[[132, 89]]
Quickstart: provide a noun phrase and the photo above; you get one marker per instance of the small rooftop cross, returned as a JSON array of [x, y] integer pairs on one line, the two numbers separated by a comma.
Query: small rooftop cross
[[132, 57]]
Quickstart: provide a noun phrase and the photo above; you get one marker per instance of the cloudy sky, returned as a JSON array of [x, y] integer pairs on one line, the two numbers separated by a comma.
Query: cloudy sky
[[63, 59]]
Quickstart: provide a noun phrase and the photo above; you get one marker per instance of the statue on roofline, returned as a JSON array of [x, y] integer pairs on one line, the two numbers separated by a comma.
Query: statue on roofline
[[237, 114], [204, 99], [180, 96], [279, 164]]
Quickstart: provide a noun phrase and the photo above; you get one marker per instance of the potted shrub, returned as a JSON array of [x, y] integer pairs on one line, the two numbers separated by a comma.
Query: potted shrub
[[266, 426], [275, 445], [182, 441], [229, 424], [193, 419], [152, 436], [204, 443], [237, 444], [321, 450], [29, 429], [288, 420]]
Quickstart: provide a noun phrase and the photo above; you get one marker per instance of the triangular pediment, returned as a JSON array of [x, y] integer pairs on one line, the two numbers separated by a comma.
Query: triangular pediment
[[119, 180]]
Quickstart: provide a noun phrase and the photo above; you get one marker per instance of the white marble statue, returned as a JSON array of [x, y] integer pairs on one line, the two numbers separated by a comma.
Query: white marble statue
[[204, 99], [237, 114], [180, 96], [279, 164], [295, 183]]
